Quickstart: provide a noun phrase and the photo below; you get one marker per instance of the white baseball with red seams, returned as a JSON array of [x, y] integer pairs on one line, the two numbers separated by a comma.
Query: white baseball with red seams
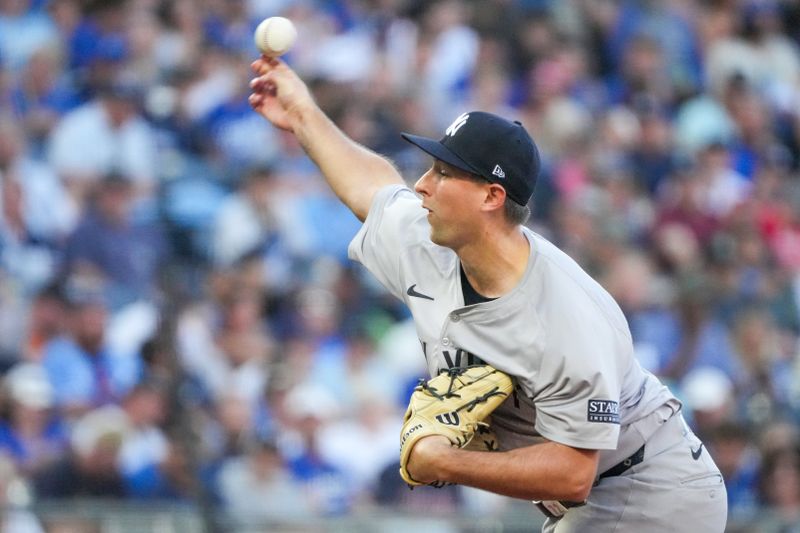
[[274, 36]]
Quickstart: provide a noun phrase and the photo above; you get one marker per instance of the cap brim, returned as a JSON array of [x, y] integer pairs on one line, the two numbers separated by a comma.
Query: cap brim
[[438, 150]]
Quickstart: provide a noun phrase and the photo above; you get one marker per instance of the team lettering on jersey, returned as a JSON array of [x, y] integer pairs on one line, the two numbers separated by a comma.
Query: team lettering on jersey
[[455, 359]]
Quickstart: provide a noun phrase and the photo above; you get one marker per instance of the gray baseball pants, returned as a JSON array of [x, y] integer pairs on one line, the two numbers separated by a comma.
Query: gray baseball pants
[[674, 489]]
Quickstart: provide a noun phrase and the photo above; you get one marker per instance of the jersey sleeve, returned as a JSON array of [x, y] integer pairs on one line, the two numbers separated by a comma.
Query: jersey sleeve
[[395, 222], [577, 392]]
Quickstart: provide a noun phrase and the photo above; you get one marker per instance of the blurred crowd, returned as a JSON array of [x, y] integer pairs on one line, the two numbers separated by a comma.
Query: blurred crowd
[[178, 317]]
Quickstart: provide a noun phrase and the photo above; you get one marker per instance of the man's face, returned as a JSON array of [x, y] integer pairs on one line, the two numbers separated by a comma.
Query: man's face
[[119, 110], [453, 199], [89, 324], [115, 202]]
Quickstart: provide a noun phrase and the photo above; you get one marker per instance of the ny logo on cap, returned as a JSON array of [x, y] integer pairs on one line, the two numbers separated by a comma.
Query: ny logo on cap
[[499, 172], [456, 125]]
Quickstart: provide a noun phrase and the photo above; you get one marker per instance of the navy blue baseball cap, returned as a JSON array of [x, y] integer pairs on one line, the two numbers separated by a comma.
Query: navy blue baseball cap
[[490, 146]]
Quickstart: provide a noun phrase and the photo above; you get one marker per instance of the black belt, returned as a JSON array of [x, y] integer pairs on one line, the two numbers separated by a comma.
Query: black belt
[[622, 466], [556, 509]]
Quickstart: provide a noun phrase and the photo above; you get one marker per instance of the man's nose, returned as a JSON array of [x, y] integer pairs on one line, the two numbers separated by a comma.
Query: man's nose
[[421, 185]]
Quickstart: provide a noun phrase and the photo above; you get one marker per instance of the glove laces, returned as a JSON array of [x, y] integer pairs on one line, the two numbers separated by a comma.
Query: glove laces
[[455, 373]]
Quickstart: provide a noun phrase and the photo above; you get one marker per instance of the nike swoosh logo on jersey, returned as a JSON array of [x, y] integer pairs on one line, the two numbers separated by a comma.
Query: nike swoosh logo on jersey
[[412, 292], [696, 453]]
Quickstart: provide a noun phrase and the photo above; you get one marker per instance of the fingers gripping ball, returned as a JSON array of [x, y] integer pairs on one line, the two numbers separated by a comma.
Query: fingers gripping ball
[[275, 36], [455, 404]]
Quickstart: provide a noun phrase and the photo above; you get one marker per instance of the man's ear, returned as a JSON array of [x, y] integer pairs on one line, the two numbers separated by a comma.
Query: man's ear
[[495, 197]]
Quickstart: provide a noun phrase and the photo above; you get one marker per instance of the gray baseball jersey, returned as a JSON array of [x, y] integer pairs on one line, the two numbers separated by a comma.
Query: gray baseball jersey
[[558, 333]]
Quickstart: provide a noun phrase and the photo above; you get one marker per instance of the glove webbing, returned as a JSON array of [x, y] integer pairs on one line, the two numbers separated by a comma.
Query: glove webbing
[[454, 373]]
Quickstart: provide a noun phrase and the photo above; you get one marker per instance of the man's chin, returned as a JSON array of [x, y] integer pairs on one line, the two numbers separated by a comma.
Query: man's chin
[[436, 238]]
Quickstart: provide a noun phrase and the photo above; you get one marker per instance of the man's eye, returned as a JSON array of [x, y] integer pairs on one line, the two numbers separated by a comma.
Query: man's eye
[[442, 172]]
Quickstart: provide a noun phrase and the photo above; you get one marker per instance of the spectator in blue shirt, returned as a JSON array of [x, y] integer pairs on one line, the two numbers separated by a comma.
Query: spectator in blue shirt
[[111, 244], [82, 369]]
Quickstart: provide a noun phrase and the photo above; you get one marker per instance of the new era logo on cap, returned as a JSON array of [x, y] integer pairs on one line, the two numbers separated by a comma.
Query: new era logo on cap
[[490, 146]]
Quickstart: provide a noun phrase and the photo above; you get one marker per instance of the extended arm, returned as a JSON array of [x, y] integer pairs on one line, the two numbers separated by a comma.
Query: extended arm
[[548, 471], [353, 172]]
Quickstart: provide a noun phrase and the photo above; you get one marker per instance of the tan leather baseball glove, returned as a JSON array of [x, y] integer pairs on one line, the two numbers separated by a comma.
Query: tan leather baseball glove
[[454, 404]]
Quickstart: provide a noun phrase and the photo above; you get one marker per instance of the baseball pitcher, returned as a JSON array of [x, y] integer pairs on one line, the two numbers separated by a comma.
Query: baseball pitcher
[[526, 352]]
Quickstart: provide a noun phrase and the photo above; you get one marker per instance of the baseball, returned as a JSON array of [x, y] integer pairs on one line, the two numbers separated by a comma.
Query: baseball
[[275, 35]]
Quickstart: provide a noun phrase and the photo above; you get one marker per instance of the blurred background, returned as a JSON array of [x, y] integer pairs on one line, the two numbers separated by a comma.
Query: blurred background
[[184, 345]]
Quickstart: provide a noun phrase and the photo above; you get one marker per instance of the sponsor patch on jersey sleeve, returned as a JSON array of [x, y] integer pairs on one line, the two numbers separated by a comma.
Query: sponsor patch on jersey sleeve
[[604, 411]]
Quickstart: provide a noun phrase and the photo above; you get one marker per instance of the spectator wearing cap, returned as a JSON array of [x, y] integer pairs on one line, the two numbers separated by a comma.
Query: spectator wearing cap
[[83, 370], [32, 434], [709, 398], [90, 468]]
